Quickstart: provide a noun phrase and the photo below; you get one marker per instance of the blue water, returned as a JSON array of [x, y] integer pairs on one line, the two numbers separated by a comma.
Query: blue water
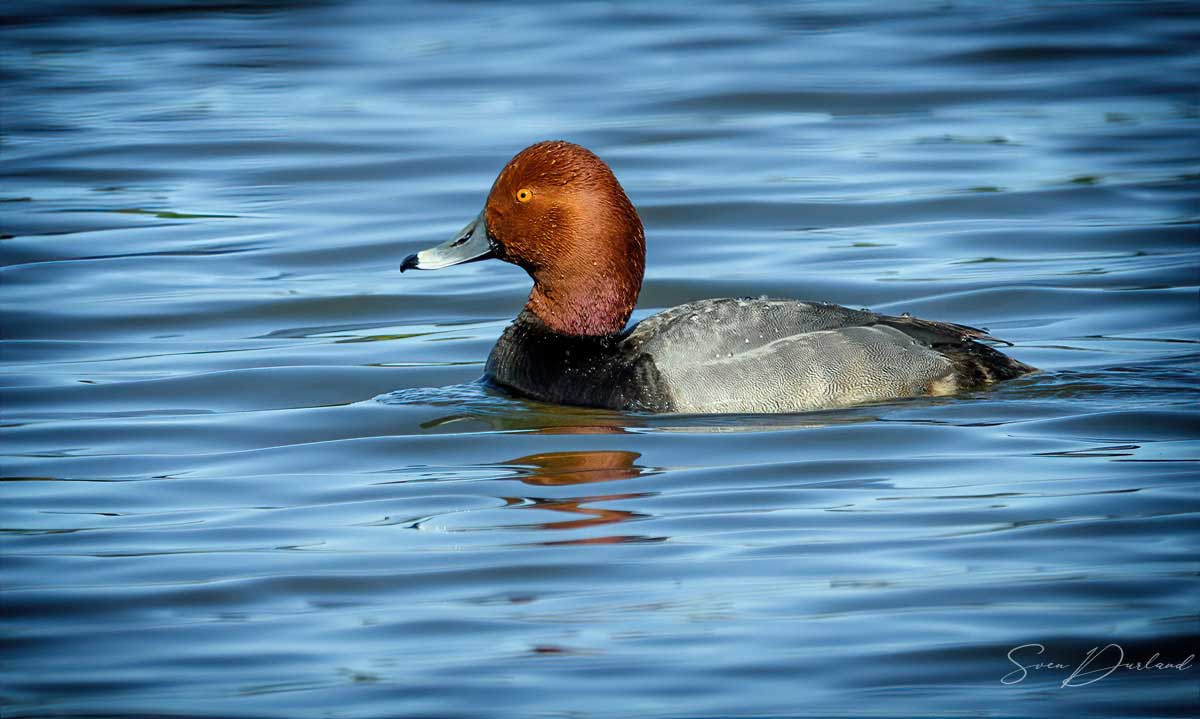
[[248, 472]]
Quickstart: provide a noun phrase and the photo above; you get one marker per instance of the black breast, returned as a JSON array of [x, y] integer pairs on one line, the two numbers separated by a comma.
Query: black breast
[[532, 360]]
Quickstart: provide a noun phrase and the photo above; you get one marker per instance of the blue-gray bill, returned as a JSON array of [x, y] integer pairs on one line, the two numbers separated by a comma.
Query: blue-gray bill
[[469, 245]]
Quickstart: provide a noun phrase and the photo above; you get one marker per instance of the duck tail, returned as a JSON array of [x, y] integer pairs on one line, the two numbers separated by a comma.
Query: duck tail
[[976, 364]]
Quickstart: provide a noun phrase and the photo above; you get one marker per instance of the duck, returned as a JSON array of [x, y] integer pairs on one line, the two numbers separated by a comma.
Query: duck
[[557, 211]]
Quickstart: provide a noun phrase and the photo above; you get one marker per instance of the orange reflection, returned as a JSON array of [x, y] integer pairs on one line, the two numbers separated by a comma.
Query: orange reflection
[[557, 468], [552, 469]]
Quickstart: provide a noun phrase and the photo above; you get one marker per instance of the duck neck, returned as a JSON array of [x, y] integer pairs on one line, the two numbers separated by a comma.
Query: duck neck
[[594, 304]]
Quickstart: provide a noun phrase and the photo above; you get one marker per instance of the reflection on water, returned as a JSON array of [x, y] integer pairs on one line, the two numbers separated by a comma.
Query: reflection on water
[[558, 468], [248, 470], [555, 469]]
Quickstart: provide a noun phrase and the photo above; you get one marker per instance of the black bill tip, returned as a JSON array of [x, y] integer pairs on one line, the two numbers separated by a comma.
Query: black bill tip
[[410, 263]]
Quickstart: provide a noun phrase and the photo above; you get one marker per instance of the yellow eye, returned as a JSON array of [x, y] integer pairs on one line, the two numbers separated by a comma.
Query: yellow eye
[[524, 195]]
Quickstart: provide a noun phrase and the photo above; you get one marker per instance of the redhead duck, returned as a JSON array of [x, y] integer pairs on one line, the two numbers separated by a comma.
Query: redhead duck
[[557, 211]]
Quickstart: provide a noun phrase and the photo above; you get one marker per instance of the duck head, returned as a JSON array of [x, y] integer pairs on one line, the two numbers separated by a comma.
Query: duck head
[[557, 211]]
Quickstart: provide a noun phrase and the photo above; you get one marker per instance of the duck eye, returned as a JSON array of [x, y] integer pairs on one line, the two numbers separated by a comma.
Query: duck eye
[[524, 195]]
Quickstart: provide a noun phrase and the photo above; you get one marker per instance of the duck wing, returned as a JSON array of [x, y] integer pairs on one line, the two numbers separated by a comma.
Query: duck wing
[[769, 355]]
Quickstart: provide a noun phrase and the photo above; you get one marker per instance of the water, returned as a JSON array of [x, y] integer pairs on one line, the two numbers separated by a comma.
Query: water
[[249, 474]]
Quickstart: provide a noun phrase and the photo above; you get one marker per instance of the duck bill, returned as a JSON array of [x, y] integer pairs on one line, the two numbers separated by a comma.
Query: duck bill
[[469, 245]]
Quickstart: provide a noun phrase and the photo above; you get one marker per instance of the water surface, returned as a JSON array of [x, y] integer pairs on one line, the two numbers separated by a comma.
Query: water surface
[[249, 473]]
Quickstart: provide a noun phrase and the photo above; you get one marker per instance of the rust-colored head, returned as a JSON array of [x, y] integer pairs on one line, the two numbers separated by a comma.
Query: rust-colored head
[[557, 211]]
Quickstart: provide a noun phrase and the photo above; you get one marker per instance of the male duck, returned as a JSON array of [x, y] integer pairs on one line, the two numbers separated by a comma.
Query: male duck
[[557, 211]]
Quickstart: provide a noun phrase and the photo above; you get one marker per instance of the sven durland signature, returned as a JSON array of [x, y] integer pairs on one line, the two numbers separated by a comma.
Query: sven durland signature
[[1097, 664]]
